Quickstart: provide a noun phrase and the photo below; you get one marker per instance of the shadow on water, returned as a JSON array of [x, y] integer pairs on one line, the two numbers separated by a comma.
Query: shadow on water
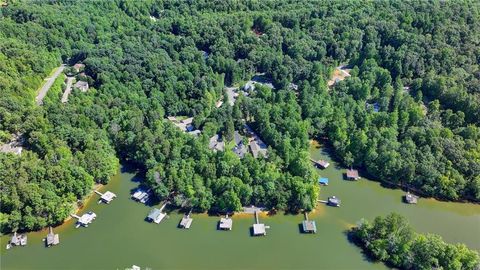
[[354, 241]]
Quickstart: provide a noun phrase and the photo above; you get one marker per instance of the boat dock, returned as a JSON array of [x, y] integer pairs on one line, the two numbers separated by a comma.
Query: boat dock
[[85, 219], [410, 198], [186, 221], [225, 223], [106, 197], [17, 240], [156, 215], [323, 164], [309, 226], [141, 195], [259, 229], [52, 238]]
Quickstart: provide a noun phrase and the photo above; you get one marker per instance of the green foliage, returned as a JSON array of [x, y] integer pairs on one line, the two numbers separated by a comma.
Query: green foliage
[[392, 240], [141, 70]]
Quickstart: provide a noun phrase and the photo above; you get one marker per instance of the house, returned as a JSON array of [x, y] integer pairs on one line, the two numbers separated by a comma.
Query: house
[[293, 86], [352, 174], [249, 86], [216, 144], [225, 223], [78, 67], [323, 181], [81, 85], [334, 201], [155, 215], [258, 148], [52, 238], [195, 132]]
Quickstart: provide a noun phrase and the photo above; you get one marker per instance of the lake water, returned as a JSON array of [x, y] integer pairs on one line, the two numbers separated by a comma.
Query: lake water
[[120, 237]]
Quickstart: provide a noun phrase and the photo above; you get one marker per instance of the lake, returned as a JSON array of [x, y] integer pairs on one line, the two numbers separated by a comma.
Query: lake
[[120, 237]]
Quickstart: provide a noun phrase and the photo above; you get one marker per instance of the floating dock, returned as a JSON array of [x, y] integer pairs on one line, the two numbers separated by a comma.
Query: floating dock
[[85, 219], [309, 226], [259, 229], [156, 215], [106, 197], [52, 238], [225, 223]]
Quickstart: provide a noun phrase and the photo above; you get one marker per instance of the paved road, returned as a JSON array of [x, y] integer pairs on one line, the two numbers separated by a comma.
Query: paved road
[[43, 91], [68, 90]]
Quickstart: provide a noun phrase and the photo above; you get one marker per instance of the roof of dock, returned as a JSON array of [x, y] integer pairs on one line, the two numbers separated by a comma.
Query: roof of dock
[[186, 222], [259, 229], [226, 223], [309, 226], [351, 173]]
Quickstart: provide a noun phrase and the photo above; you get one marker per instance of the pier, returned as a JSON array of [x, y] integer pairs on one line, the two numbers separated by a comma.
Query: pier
[[259, 229], [106, 197], [141, 195], [85, 219], [186, 221], [156, 215], [52, 238], [309, 226], [17, 240], [225, 223]]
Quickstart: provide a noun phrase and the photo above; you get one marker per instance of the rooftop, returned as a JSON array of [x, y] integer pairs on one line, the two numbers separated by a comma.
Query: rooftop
[[226, 223], [309, 226], [186, 222], [352, 174], [259, 229]]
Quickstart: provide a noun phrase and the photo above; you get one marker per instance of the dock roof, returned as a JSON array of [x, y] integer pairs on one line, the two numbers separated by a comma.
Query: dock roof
[[186, 222], [154, 214], [309, 226], [352, 174], [226, 223], [259, 229]]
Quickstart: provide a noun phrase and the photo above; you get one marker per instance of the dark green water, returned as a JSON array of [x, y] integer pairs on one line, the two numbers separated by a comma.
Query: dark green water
[[119, 237]]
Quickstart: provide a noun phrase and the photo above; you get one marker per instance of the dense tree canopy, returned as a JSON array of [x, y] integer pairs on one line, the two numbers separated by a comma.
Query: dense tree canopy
[[392, 240], [146, 60]]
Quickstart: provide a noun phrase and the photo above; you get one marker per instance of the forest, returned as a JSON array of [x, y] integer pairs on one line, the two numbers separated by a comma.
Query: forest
[[392, 240], [418, 62]]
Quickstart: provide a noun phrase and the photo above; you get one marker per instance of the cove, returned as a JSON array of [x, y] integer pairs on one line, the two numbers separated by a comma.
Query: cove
[[120, 237]]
